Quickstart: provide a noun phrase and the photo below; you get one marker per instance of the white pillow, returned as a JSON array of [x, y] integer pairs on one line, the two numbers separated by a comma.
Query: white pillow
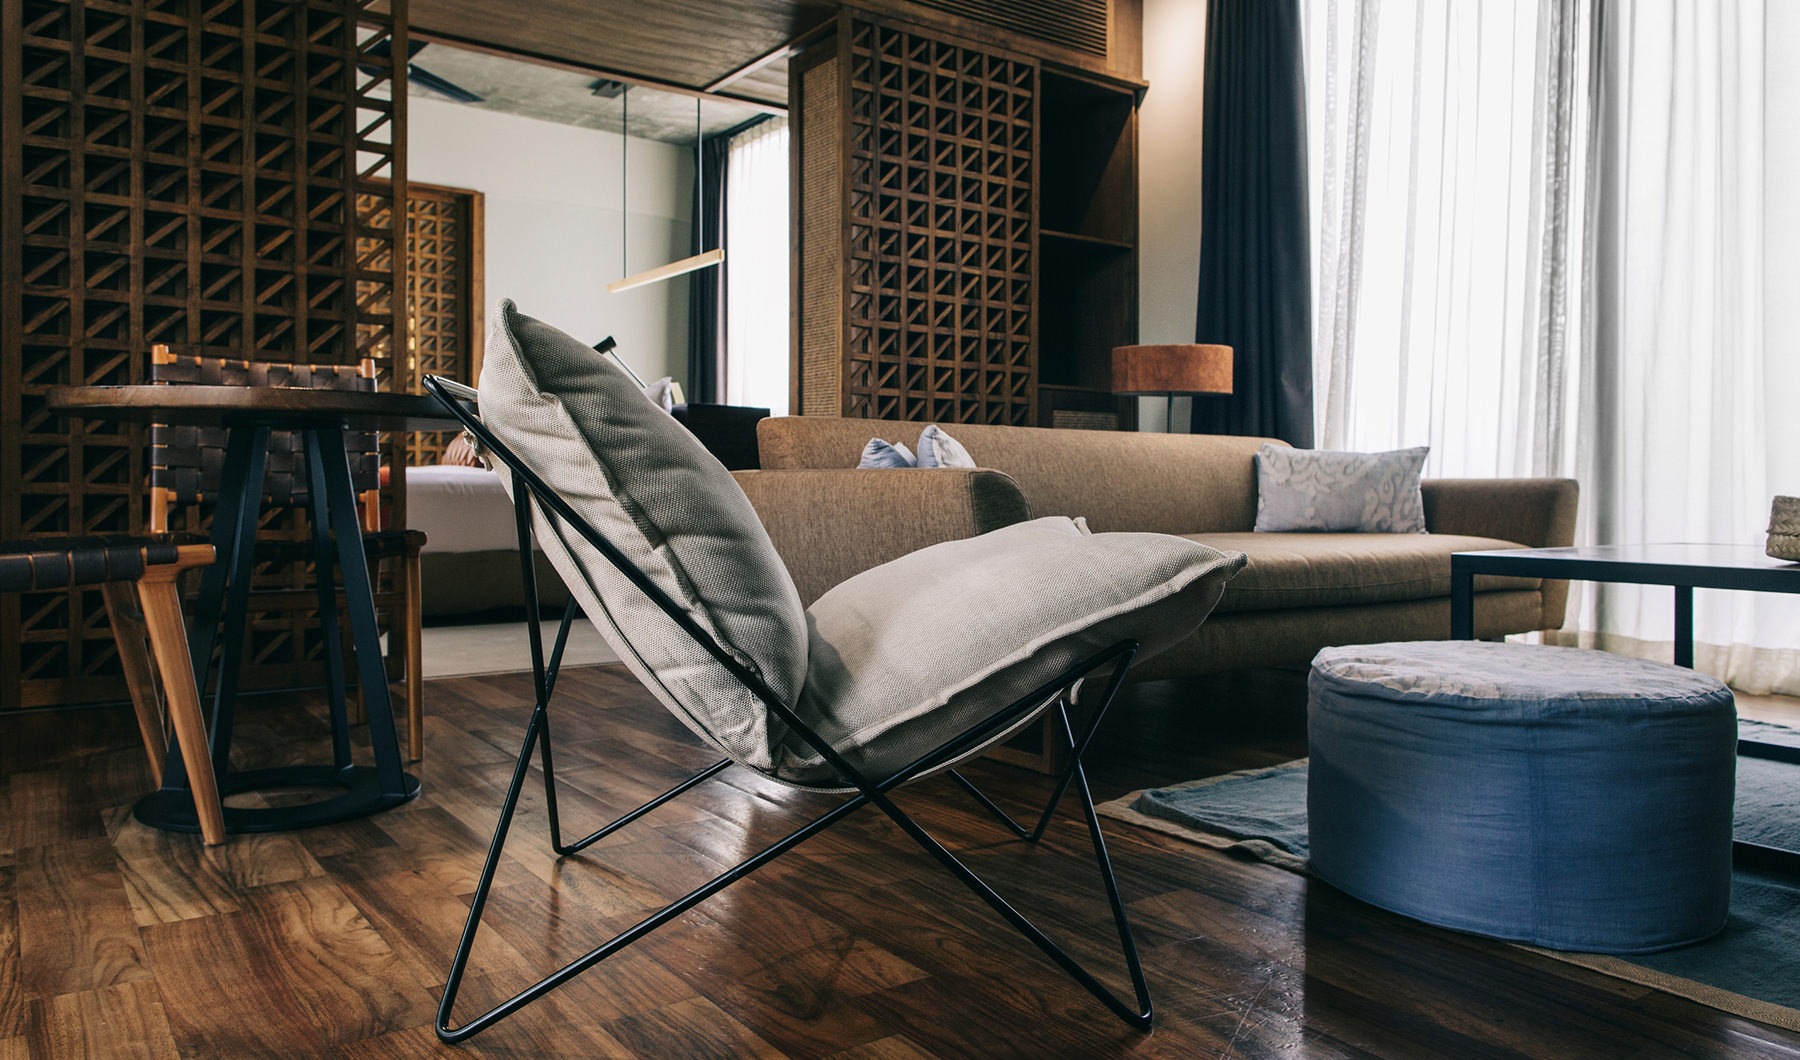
[[937, 449], [652, 490], [910, 653]]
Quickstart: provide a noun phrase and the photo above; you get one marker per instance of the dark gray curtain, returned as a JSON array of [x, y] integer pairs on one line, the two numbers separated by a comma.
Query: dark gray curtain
[[706, 293], [1255, 290]]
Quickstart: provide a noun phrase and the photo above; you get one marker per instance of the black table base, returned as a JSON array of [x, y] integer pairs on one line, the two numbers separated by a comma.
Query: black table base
[[360, 795], [1681, 567], [224, 605]]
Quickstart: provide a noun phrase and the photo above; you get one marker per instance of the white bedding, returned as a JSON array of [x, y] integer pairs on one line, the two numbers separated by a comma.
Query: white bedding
[[461, 509]]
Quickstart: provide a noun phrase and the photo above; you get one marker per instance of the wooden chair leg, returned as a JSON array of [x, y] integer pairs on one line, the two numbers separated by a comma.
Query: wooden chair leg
[[140, 679], [412, 572], [161, 602]]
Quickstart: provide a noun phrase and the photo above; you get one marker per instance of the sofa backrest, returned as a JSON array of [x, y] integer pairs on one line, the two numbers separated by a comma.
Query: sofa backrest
[[1117, 480]]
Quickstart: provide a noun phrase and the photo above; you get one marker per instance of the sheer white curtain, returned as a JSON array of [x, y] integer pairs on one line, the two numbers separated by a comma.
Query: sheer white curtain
[[1693, 394], [756, 278], [1543, 247], [1446, 254]]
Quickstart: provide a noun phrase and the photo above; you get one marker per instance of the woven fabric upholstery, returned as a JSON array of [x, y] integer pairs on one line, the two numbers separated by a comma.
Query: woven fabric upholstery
[[649, 486], [61, 562], [909, 654], [189, 461]]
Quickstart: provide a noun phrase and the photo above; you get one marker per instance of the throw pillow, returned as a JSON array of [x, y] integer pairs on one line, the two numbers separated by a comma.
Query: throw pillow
[[649, 486], [460, 452], [880, 453], [937, 449], [662, 393], [1314, 489], [918, 649]]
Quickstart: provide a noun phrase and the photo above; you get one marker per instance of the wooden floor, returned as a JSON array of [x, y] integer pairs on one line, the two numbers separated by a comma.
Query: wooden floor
[[119, 941]]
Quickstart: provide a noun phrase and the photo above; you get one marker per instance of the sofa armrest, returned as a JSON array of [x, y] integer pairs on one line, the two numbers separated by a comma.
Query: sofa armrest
[[1535, 512], [830, 524]]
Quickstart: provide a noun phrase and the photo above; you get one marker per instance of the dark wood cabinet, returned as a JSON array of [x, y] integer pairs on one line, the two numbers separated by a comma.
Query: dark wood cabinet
[[966, 245]]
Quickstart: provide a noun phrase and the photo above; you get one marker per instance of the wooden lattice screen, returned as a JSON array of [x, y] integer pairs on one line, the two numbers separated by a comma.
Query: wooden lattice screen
[[444, 293], [937, 275], [184, 172]]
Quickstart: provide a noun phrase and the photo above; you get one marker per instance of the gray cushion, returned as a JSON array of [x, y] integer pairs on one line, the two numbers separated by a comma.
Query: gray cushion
[[1316, 489], [880, 454], [651, 488], [910, 653], [938, 449], [1562, 797]]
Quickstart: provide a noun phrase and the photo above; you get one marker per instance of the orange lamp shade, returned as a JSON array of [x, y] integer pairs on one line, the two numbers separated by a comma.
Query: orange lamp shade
[[1172, 368]]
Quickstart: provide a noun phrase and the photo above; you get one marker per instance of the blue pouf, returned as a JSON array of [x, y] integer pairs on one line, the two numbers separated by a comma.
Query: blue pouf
[[1567, 798]]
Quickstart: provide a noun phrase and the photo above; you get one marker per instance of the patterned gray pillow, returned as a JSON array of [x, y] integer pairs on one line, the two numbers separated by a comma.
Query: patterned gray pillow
[[626, 467], [1316, 489]]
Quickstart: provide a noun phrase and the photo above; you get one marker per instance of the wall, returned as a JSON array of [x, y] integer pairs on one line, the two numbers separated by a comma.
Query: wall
[[1169, 184], [553, 222]]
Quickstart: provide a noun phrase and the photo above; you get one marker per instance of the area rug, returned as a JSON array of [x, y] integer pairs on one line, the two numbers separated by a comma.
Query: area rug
[[1751, 968]]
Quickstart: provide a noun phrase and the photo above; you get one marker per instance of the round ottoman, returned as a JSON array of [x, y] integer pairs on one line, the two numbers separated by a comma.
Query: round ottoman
[[1562, 797]]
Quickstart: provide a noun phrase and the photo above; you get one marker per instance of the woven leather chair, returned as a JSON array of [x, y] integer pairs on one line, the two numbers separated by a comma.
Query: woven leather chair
[[187, 463], [152, 566]]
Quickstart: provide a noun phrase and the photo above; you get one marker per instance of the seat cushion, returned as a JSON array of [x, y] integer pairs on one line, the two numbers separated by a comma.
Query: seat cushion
[[651, 489], [909, 654], [1328, 570]]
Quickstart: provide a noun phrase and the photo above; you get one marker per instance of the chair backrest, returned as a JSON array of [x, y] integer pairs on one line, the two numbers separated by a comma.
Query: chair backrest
[[186, 462]]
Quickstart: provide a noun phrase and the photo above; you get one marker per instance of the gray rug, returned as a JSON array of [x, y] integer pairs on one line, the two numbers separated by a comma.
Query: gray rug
[[1751, 968]]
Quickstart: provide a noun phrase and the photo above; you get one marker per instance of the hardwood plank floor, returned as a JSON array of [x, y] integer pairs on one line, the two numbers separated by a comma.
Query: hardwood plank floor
[[116, 940]]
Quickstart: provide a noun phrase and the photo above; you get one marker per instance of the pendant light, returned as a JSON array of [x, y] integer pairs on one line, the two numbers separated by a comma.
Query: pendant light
[[686, 265]]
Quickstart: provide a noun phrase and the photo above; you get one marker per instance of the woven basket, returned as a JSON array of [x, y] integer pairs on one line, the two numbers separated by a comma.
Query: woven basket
[[1784, 528]]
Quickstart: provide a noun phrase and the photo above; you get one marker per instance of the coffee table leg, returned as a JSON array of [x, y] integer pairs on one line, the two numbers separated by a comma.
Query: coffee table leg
[[1684, 626], [1462, 603]]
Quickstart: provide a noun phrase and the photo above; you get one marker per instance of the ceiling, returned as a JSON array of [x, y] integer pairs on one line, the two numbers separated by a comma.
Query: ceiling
[[685, 43], [549, 93]]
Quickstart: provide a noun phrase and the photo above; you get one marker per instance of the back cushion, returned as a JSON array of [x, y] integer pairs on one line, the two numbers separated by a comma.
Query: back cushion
[[652, 490], [1116, 480]]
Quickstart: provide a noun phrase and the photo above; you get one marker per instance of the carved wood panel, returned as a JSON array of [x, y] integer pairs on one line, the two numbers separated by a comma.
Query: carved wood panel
[[937, 268], [185, 173], [444, 296]]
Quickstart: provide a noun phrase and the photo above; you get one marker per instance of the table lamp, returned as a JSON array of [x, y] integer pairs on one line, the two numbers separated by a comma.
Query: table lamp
[[1170, 369]]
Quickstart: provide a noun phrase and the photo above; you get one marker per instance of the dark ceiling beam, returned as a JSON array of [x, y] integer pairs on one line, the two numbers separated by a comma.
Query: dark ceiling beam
[[777, 54], [704, 92]]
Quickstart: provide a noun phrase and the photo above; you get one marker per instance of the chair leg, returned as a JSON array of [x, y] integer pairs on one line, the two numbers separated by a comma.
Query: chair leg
[[1074, 776], [140, 679], [161, 602], [412, 573]]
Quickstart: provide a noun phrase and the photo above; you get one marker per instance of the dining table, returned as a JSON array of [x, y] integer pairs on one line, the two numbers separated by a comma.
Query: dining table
[[322, 418]]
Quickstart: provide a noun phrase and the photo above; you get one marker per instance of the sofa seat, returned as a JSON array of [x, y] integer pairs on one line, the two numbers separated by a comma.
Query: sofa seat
[[1302, 570]]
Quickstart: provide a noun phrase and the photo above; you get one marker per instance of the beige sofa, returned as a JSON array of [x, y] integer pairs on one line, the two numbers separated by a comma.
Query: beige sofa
[[1299, 593]]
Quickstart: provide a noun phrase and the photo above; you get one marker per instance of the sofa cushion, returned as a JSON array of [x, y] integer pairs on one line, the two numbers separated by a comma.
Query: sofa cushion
[[1329, 570], [880, 454], [938, 449], [649, 486], [908, 654], [1117, 480], [1323, 490]]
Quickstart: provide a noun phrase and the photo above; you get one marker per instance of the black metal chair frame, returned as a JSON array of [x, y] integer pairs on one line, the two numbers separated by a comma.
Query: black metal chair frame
[[1059, 693]]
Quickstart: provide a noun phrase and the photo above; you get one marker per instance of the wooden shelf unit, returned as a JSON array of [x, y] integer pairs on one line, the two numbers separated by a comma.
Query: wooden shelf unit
[[967, 239]]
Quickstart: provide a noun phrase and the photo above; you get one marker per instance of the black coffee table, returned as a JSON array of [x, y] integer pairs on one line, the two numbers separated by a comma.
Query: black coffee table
[[1685, 567]]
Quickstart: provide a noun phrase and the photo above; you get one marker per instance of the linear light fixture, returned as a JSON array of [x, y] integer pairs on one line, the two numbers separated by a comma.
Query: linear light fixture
[[692, 263], [672, 269]]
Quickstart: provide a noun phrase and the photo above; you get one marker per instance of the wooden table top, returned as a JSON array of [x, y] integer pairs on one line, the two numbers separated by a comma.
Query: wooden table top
[[232, 406]]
